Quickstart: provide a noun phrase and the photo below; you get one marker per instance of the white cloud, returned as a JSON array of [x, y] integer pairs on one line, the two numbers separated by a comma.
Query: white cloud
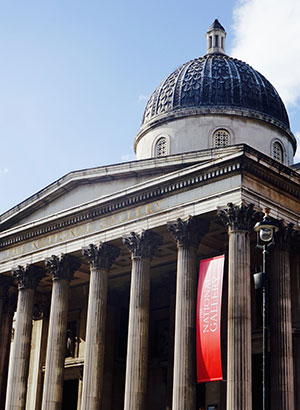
[[143, 98], [266, 35], [3, 171]]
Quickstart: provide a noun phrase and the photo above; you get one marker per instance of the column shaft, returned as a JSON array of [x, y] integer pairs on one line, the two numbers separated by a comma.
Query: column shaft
[[95, 338], [56, 346], [138, 329], [282, 374], [19, 358], [239, 323], [184, 379]]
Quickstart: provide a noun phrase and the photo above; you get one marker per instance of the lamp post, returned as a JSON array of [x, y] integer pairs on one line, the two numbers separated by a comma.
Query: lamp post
[[265, 240]]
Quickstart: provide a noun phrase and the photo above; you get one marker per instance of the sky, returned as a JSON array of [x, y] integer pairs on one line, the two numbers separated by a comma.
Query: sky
[[75, 75]]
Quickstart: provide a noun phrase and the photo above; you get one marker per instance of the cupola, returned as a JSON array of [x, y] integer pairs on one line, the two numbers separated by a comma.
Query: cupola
[[215, 37]]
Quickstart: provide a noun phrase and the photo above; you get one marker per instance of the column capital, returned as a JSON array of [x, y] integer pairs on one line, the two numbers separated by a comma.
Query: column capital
[[296, 239], [62, 266], [239, 218], [286, 237], [5, 282], [101, 256], [190, 232], [28, 277], [142, 245]]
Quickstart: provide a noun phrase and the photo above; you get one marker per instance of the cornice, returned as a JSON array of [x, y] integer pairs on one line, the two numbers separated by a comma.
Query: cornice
[[127, 200], [244, 159], [151, 166]]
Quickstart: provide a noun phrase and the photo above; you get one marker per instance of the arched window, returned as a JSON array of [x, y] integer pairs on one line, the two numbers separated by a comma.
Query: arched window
[[277, 151], [161, 147], [221, 138]]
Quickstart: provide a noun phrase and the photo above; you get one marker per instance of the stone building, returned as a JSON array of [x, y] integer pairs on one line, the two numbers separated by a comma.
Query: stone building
[[99, 269]]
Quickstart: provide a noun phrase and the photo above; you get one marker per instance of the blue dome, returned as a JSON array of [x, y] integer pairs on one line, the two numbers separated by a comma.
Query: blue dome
[[216, 83]]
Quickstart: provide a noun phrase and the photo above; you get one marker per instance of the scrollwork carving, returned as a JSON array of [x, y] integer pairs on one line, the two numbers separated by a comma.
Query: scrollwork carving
[[285, 237], [143, 245], [101, 256], [190, 232], [63, 266], [216, 81], [28, 277], [239, 218]]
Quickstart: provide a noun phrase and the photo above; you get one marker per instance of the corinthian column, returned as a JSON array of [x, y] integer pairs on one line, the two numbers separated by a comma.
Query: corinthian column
[[100, 259], [27, 279], [142, 248], [62, 269], [281, 349], [188, 235], [240, 221]]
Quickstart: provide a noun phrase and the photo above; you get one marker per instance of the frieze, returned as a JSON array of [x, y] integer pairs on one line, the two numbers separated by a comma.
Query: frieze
[[81, 230], [143, 210]]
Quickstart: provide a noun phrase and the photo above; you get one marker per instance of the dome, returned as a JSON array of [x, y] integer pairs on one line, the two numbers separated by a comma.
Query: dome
[[216, 83], [215, 101]]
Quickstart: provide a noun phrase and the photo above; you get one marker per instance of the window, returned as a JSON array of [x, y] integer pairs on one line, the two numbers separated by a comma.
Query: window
[[210, 41], [216, 41], [277, 151], [221, 138], [161, 148]]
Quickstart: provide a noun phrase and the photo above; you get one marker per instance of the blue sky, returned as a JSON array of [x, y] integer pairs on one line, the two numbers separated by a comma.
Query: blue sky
[[75, 76]]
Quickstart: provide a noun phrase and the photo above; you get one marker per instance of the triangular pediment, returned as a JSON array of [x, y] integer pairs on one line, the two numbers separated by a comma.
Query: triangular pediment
[[80, 188]]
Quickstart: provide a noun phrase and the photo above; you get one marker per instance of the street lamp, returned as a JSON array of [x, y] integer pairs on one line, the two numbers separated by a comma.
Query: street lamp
[[265, 239]]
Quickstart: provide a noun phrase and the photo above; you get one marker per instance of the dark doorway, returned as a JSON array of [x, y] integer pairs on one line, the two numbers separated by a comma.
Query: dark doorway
[[200, 391], [70, 395], [257, 381]]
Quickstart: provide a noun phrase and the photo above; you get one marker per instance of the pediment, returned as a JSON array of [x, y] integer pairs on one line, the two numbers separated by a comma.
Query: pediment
[[79, 188]]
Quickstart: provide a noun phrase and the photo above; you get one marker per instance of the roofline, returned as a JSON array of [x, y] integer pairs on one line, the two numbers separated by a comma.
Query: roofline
[[71, 179], [155, 188]]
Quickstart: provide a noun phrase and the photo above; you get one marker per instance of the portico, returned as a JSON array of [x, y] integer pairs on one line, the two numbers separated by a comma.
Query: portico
[[114, 314]]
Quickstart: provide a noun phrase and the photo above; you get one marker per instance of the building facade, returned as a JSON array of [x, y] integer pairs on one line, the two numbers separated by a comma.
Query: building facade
[[99, 270]]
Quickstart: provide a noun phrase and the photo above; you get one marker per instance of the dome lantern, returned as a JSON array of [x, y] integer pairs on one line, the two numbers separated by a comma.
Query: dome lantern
[[215, 101], [215, 37]]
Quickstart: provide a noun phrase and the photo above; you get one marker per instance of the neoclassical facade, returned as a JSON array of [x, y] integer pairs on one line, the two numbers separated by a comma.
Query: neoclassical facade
[[99, 270]]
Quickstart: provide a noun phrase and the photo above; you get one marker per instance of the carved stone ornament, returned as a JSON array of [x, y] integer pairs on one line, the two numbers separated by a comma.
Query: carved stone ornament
[[63, 266], [28, 277], [285, 237], [143, 245], [296, 240], [239, 218], [216, 81], [190, 232], [5, 282], [101, 256]]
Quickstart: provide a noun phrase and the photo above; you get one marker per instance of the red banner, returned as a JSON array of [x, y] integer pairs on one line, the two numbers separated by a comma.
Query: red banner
[[209, 301]]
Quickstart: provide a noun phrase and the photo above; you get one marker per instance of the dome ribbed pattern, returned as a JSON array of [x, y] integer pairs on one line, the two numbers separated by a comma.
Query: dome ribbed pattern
[[216, 81]]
